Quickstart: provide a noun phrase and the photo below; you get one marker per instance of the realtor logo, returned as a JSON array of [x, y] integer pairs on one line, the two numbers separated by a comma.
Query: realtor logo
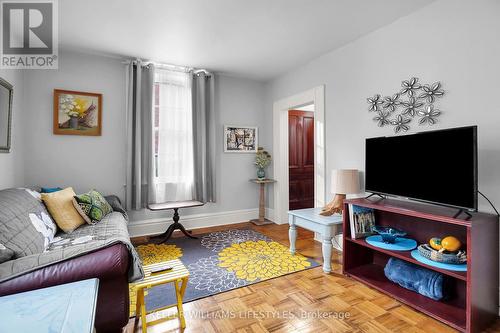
[[29, 34]]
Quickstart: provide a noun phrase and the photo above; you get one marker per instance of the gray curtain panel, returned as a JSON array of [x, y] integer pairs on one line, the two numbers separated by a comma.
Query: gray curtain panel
[[204, 136], [140, 80]]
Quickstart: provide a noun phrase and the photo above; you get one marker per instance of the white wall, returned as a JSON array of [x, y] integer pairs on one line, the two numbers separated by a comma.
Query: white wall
[[11, 164], [455, 42], [99, 162], [83, 162]]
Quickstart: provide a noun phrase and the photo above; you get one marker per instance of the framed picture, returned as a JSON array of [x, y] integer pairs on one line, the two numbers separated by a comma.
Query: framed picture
[[240, 139], [6, 95], [77, 113]]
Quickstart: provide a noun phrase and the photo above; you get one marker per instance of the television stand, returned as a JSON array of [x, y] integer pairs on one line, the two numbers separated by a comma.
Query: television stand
[[379, 195], [471, 304], [460, 211]]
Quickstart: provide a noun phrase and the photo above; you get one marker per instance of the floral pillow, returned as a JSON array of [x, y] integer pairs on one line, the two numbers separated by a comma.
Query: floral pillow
[[92, 206]]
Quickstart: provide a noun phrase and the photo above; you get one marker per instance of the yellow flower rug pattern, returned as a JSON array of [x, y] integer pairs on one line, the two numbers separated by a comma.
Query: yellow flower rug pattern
[[260, 260], [150, 254], [218, 262], [153, 253]]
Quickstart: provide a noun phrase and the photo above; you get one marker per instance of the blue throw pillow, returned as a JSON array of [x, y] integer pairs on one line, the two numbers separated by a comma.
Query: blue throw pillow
[[50, 189]]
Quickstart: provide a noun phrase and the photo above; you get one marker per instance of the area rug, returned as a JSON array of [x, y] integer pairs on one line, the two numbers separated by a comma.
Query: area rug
[[217, 262]]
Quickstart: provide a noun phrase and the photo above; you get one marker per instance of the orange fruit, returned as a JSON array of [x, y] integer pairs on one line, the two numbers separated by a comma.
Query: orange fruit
[[451, 244], [435, 243]]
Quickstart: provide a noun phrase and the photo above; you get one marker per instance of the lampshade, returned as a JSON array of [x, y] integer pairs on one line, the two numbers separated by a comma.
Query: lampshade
[[345, 181]]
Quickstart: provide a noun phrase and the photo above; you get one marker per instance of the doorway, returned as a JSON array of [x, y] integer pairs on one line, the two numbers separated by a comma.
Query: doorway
[[301, 157], [281, 107]]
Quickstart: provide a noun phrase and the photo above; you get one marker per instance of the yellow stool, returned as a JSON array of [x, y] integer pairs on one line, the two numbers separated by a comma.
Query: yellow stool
[[178, 275]]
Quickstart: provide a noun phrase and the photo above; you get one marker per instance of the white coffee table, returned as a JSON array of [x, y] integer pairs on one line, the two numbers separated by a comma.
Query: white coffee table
[[327, 226]]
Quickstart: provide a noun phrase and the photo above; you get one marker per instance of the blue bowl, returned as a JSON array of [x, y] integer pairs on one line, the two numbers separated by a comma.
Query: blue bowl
[[388, 234]]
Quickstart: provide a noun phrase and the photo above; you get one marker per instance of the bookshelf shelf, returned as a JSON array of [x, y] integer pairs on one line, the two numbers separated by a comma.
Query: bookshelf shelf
[[406, 256], [472, 302], [452, 313]]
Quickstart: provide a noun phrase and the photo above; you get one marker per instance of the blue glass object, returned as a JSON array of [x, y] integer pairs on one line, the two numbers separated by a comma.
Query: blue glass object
[[401, 243], [388, 234]]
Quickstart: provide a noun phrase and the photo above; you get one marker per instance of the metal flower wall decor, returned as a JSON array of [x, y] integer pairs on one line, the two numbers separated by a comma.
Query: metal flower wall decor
[[412, 101]]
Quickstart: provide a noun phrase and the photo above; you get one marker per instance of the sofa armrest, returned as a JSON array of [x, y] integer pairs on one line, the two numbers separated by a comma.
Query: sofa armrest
[[103, 264]]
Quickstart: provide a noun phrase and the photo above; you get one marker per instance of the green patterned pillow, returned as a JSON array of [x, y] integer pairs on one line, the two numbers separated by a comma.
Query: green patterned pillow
[[92, 206]]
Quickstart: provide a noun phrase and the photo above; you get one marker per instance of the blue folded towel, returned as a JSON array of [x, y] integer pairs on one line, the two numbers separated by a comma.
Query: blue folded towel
[[416, 278]]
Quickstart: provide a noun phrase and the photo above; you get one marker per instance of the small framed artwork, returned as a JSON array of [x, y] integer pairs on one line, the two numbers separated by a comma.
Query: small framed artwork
[[77, 113], [240, 139]]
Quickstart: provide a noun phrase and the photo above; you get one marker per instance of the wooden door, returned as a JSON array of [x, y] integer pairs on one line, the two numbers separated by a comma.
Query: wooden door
[[301, 159]]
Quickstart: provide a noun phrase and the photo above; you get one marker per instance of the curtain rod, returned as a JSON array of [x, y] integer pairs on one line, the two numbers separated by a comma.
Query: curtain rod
[[168, 66]]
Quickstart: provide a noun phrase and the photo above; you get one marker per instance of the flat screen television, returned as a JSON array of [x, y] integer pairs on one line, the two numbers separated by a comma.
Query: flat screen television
[[436, 166]]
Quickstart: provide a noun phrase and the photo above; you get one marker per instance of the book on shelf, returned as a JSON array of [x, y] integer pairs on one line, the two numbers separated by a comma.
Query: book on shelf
[[361, 220]]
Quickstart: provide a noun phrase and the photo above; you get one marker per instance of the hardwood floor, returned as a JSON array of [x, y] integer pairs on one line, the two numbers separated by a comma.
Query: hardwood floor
[[307, 301]]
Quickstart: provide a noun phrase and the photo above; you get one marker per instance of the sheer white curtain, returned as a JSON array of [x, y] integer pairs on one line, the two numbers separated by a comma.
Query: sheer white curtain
[[173, 136]]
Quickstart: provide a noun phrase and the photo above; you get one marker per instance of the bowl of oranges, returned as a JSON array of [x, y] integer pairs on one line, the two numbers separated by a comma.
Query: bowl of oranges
[[446, 250]]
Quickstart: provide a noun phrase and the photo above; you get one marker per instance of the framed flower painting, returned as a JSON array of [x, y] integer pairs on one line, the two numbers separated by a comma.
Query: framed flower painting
[[77, 113]]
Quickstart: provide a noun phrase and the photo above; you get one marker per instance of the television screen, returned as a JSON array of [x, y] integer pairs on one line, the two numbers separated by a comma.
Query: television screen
[[435, 166]]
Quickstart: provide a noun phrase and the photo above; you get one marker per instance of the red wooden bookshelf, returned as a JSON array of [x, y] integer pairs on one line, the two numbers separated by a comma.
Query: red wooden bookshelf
[[472, 304]]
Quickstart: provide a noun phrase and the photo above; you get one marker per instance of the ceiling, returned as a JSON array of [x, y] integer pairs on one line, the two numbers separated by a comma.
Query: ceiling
[[258, 39]]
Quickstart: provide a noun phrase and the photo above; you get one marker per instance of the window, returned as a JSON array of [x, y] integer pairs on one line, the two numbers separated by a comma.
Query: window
[[173, 136]]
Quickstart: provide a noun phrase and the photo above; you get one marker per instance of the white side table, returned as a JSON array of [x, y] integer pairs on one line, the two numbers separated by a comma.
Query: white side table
[[327, 226]]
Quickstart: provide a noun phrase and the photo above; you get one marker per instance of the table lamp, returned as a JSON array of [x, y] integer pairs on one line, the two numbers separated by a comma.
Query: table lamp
[[344, 181]]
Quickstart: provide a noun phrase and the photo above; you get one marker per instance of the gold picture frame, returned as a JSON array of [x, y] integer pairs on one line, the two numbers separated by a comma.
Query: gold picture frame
[[77, 113]]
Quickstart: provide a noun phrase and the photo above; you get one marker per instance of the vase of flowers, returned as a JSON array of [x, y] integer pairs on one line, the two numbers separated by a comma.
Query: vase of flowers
[[261, 173], [262, 160], [75, 108], [73, 122]]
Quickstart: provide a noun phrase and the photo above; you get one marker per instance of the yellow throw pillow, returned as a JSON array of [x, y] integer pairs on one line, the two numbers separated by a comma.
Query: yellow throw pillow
[[60, 206]]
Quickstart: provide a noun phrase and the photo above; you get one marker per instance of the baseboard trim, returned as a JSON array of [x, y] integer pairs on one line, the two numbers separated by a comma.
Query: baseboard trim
[[270, 214], [148, 227]]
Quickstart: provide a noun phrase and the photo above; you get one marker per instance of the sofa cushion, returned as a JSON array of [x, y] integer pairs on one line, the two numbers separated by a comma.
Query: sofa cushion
[[50, 189], [25, 226], [60, 206], [116, 204], [92, 206], [5, 254], [87, 238]]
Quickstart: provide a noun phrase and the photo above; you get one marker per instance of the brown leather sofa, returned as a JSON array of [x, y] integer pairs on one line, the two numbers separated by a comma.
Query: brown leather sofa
[[109, 265]]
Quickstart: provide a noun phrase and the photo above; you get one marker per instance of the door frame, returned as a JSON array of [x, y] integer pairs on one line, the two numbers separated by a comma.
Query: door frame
[[280, 146]]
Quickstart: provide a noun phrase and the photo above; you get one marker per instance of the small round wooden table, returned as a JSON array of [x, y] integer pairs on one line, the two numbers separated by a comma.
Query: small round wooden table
[[262, 201]]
